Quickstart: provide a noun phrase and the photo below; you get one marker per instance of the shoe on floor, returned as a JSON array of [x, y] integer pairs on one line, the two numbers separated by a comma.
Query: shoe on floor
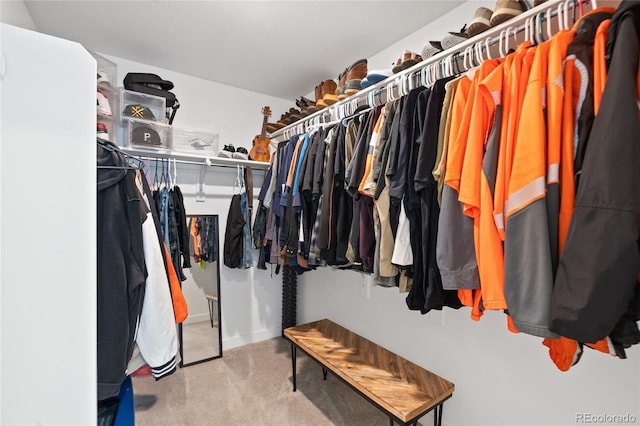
[[241, 154], [480, 22], [505, 10], [227, 151], [356, 73]]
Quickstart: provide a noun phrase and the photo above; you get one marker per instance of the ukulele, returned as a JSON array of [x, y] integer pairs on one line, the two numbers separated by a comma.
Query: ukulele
[[260, 149]]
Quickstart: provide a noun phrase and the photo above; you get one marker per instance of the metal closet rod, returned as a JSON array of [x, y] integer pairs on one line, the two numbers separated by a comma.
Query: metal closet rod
[[202, 161], [475, 44]]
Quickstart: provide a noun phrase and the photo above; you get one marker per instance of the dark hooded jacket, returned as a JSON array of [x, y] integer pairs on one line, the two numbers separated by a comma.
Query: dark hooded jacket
[[597, 275], [121, 268]]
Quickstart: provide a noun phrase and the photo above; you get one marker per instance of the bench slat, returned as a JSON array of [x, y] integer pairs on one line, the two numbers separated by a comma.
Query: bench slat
[[401, 387]]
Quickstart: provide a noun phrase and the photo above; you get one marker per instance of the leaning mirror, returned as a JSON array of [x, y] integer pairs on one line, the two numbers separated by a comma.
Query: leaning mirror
[[200, 336]]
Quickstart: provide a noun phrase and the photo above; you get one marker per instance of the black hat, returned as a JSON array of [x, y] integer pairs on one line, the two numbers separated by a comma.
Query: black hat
[[151, 80], [144, 135], [139, 111]]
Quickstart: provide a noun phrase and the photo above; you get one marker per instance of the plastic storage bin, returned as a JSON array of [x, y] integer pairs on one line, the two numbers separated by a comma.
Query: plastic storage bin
[[196, 142], [107, 71], [140, 106], [145, 134]]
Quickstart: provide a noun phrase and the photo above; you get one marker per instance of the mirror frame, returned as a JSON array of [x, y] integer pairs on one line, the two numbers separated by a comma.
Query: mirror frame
[[183, 364]]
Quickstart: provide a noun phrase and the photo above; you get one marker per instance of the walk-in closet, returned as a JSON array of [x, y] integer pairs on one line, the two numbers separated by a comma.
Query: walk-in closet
[[320, 212]]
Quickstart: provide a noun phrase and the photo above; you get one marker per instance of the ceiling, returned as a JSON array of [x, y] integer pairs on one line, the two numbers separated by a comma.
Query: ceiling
[[278, 48]]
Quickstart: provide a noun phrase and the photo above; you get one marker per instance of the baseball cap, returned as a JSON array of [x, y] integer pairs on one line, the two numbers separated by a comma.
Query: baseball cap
[[102, 104], [139, 111], [145, 135]]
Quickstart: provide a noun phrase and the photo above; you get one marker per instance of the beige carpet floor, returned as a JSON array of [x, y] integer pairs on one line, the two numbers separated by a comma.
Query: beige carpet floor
[[252, 385]]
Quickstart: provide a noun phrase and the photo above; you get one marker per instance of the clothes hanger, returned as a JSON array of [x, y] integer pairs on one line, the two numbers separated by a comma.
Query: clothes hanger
[[354, 106], [453, 64], [449, 63], [539, 30], [549, 31], [237, 188], [486, 47], [389, 90], [175, 173], [565, 14], [478, 54], [466, 63], [532, 30], [396, 84], [560, 15], [155, 174], [441, 68], [415, 79], [345, 121], [442, 65], [429, 75], [139, 165], [172, 176]]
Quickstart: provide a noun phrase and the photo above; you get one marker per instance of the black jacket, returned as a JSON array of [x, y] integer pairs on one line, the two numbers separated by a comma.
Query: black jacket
[[121, 268], [598, 270]]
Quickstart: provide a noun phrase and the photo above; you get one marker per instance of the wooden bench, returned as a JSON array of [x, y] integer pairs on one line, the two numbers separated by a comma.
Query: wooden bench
[[401, 389]]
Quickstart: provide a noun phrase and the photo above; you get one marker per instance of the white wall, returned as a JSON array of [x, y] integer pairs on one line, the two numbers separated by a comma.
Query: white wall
[[48, 231], [500, 378], [14, 12]]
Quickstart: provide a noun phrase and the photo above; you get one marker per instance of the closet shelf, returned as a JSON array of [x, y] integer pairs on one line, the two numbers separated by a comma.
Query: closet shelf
[[195, 159], [482, 40]]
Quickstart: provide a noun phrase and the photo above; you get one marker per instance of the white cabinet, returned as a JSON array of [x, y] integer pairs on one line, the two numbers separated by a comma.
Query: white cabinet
[[47, 230]]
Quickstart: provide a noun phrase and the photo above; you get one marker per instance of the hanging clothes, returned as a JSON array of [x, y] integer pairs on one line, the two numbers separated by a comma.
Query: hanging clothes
[[464, 192], [596, 289], [121, 269], [135, 307], [233, 237], [238, 249]]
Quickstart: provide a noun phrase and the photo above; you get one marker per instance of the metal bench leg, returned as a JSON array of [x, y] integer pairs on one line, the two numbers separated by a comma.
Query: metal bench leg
[[324, 373], [293, 364], [390, 421], [437, 415], [210, 311]]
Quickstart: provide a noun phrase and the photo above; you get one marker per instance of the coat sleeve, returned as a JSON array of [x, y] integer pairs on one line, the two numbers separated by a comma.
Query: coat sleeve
[[156, 337], [528, 275], [600, 262]]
